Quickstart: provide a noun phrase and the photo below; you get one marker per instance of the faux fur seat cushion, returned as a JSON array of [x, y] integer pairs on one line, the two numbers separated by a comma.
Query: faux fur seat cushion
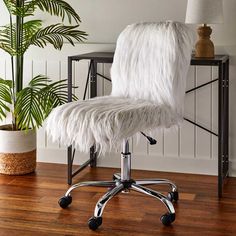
[[105, 121]]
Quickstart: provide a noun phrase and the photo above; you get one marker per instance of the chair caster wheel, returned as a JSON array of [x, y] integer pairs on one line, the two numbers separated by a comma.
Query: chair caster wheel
[[167, 219], [173, 196], [94, 222], [65, 201]]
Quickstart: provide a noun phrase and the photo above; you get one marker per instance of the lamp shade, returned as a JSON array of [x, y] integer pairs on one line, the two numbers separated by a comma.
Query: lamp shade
[[204, 12]]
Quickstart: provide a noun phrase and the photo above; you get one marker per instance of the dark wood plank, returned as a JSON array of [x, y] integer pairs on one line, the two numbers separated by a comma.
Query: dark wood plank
[[28, 205]]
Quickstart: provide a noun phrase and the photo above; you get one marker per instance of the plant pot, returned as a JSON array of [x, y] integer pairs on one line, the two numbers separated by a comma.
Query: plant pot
[[17, 151]]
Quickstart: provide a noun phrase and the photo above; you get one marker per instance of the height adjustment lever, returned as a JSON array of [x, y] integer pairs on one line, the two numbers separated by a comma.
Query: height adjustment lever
[[151, 140]]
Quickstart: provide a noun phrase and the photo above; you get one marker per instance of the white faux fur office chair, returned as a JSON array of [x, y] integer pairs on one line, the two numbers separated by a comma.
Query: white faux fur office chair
[[148, 88]]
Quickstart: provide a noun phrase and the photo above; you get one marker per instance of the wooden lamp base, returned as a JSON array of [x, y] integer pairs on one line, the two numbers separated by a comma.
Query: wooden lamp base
[[204, 46]]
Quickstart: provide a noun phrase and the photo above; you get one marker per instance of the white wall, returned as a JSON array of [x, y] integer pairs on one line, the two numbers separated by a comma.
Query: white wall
[[188, 149]]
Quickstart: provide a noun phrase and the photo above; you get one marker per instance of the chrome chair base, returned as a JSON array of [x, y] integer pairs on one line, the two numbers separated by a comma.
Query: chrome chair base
[[122, 182]]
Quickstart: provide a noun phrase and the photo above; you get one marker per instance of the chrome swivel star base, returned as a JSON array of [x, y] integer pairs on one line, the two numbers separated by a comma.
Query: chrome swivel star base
[[123, 183]]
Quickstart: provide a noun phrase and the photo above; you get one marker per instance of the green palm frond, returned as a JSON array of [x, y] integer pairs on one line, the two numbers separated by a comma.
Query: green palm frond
[[26, 8], [8, 37], [40, 81], [54, 95], [5, 46], [55, 35], [35, 102], [54, 7], [7, 40], [28, 110], [10, 5], [5, 97], [30, 28], [58, 8]]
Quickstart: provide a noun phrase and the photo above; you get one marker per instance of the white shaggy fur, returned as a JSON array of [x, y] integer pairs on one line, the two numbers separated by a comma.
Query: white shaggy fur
[[148, 87]]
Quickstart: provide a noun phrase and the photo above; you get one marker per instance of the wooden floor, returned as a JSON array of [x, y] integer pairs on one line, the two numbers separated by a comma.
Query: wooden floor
[[28, 206]]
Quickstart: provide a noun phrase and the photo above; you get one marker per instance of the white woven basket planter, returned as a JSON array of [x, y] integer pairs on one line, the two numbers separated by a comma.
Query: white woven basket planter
[[17, 151]]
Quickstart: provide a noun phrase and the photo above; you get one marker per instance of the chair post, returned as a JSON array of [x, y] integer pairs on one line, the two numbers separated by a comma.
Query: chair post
[[125, 162]]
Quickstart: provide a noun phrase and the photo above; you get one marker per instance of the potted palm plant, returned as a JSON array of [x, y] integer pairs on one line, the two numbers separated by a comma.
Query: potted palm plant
[[29, 106]]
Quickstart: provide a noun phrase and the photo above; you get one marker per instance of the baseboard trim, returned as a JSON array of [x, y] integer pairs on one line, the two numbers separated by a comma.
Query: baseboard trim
[[144, 162]]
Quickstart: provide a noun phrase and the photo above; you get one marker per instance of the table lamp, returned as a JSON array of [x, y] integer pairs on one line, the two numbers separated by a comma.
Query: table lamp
[[204, 12]]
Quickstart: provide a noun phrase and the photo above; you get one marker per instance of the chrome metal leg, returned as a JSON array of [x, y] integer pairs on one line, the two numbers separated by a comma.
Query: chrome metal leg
[[123, 183], [105, 198], [157, 181], [155, 194], [108, 184], [117, 176], [125, 162]]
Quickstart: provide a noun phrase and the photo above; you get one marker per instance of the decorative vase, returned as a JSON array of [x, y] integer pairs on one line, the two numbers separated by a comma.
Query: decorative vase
[[17, 151]]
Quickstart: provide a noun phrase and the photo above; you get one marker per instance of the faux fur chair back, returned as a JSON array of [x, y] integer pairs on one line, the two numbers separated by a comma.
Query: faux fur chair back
[[151, 61]]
